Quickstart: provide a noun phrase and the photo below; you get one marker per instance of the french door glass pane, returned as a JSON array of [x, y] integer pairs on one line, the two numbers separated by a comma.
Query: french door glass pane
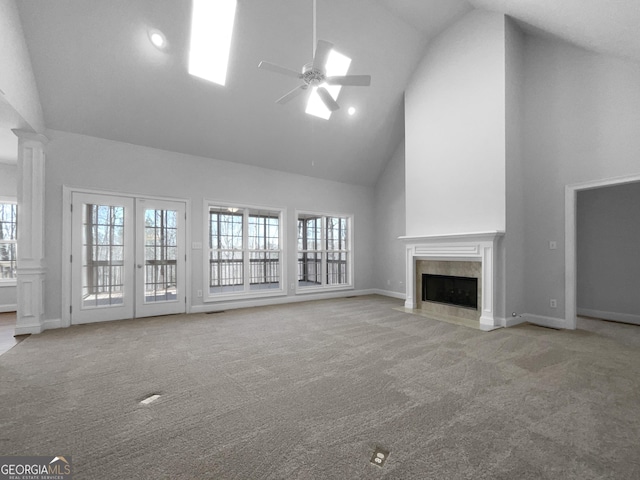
[[102, 255], [160, 255]]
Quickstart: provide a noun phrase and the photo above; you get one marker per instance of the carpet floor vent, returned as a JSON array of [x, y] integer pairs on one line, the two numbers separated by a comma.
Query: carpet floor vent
[[218, 311], [150, 399]]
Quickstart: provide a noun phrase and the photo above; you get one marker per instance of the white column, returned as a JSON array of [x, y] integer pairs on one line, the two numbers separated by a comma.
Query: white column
[[487, 317], [30, 243], [410, 280]]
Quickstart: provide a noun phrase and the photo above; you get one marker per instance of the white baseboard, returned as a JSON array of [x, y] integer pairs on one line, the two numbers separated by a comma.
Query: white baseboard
[[28, 329], [52, 323], [8, 308], [616, 317], [513, 321], [34, 329], [551, 322], [261, 302], [388, 293]]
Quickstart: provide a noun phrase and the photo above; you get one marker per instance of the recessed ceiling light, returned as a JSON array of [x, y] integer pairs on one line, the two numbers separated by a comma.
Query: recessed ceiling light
[[351, 111], [157, 38]]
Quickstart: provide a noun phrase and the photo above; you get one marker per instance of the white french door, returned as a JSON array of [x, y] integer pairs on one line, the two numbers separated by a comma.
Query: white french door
[[128, 257], [160, 258]]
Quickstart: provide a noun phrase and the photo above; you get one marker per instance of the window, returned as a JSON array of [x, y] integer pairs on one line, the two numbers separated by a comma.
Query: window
[[245, 251], [8, 237], [324, 251]]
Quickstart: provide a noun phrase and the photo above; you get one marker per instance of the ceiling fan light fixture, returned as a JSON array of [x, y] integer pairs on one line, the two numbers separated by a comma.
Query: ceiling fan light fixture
[[326, 74], [337, 65]]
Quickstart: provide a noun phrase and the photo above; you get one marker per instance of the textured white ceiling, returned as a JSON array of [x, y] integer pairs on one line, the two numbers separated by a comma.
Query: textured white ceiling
[[427, 16], [97, 73], [605, 26]]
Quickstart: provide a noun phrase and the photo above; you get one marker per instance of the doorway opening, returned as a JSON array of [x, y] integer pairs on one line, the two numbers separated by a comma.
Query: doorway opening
[[571, 196]]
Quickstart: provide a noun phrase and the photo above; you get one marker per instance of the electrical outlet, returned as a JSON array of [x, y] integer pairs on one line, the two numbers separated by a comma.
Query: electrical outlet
[[199, 293], [553, 303], [379, 456], [293, 286]]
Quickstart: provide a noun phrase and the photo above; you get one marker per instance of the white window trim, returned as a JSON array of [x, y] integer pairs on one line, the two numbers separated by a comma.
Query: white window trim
[[350, 264], [208, 297], [9, 282]]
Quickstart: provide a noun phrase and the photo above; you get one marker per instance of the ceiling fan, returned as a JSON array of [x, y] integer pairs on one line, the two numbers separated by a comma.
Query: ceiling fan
[[314, 74]]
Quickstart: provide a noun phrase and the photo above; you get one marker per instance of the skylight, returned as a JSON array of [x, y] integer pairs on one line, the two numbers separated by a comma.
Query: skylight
[[337, 64], [211, 30]]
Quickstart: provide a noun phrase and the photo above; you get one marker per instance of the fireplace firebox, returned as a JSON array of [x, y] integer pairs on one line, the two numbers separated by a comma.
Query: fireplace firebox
[[457, 291]]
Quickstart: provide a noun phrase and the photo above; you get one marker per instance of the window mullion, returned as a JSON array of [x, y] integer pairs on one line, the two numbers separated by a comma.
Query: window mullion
[[323, 251], [246, 255]]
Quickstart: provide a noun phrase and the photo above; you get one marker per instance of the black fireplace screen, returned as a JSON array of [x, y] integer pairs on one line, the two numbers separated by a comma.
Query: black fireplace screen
[[458, 291]]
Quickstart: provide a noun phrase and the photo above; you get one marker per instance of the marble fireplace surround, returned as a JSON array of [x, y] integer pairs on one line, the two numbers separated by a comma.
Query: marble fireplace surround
[[479, 246]]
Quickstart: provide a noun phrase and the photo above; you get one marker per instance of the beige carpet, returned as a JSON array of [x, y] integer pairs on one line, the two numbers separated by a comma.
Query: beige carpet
[[306, 391]]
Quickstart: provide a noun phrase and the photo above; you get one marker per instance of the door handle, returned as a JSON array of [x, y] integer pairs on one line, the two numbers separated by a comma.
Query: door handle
[[139, 266]]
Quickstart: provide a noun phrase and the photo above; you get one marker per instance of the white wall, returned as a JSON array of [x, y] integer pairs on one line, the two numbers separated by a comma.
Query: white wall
[[581, 124], [17, 80], [9, 180], [608, 252], [455, 131], [88, 162], [513, 287], [389, 224], [8, 191]]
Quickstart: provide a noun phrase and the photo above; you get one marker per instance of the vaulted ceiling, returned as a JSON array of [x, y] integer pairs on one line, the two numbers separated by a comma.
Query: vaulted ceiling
[[97, 73]]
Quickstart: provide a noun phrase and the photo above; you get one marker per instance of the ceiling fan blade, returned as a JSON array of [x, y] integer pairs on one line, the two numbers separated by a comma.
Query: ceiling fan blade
[[327, 99], [351, 80], [292, 94], [272, 67], [322, 54]]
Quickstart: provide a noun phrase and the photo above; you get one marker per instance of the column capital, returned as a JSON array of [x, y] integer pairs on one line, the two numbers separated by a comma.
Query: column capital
[[31, 136]]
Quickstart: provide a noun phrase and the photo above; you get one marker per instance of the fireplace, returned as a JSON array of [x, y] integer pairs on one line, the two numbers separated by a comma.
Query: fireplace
[[456, 291], [469, 255]]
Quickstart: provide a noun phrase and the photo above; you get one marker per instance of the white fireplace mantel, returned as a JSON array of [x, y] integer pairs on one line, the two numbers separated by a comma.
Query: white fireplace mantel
[[478, 246]]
